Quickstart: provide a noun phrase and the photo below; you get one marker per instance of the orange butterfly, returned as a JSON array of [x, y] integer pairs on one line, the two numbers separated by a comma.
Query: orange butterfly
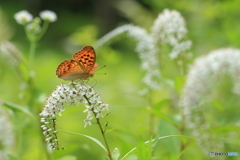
[[82, 66]]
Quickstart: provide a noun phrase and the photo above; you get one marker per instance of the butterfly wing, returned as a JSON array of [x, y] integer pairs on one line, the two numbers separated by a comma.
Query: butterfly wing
[[86, 59], [69, 70], [81, 67]]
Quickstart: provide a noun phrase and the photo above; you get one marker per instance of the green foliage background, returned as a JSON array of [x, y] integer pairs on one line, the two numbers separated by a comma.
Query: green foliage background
[[212, 24]]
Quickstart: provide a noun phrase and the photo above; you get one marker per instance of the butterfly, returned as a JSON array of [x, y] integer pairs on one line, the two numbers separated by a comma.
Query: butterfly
[[82, 66]]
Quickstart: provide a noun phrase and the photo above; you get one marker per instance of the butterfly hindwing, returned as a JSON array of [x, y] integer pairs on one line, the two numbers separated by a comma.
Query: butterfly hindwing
[[69, 70]]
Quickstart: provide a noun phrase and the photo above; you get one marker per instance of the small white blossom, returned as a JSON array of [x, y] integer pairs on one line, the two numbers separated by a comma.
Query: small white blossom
[[72, 93], [88, 121], [88, 110], [48, 15], [23, 17], [99, 113]]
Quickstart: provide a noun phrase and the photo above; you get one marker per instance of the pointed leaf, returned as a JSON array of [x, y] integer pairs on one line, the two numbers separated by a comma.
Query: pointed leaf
[[89, 137], [18, 108], [161, 104], [165, 117], [175, 156]]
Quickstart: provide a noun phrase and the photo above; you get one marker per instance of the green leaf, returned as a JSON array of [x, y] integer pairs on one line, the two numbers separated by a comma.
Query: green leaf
[[153, 140], [179, 81], [89, 137], [165, 117], [172, 144], [143, 151], [161, 104], [175, 156], [68, 157], [132, 157], [225, 129], [16, 107], [217, 105], [110, 130], [115, 154]]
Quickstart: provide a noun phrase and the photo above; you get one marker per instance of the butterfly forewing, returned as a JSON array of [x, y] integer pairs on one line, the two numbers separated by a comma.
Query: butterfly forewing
[[86, 58]]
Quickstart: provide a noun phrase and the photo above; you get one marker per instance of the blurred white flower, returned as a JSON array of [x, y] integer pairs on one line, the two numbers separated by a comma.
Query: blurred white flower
[[7, 134], [180, 48], [170, 28], [206, 70], [72, 93], [145, 49], [23, 17], [10, 53], [203, 74], [48, 15]]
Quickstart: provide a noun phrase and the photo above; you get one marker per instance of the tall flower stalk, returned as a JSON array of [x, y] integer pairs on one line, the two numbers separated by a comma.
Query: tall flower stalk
[[169, 28], [33, 28]]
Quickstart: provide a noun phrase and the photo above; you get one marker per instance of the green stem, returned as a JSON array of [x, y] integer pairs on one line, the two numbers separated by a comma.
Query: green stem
[[32, 54], [102, 131], [151, 116], [44, 28], [104, 138], [182, 125]]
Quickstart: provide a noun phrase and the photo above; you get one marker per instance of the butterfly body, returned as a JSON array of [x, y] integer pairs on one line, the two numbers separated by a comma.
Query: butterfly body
[[82, 66]]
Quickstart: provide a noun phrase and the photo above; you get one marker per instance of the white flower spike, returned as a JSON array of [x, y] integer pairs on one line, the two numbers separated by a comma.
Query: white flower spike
[[23, 17], [71, 93], [48, 16], [204, 73]]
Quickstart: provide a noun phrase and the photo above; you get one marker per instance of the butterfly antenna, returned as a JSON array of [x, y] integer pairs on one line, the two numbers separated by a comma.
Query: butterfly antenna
[[101, 68]]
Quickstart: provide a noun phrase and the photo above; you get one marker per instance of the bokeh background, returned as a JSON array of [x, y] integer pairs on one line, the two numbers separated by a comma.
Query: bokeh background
[[211, 24]]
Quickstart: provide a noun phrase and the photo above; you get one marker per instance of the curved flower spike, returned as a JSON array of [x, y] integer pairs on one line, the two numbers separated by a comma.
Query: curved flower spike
[[71, 93]]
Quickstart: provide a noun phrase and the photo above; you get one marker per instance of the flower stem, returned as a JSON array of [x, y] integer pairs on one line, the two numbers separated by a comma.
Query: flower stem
[[101, 129], [44, 28], [32, 54], [104, 138], [151, 116]]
